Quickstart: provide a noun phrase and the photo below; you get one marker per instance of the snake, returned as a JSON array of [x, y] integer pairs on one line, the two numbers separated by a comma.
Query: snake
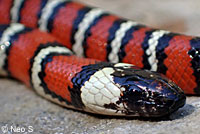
[[87, 59]]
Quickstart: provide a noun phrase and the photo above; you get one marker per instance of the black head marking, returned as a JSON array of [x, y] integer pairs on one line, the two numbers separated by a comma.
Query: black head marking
[[147, 93]]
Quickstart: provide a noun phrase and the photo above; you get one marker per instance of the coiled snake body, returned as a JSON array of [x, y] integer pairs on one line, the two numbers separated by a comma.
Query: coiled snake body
[[41, 59]]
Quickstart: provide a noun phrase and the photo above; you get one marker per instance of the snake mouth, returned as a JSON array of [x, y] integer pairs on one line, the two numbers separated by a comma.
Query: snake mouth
[[180, 102], [170, 104], [167, 107]]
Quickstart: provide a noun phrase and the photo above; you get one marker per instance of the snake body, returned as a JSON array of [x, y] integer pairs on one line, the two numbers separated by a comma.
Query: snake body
[[60, 76], [42, 62], [94, 33]]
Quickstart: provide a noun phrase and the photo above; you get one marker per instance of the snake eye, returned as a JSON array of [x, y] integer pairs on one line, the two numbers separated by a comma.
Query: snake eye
[[148, 94]]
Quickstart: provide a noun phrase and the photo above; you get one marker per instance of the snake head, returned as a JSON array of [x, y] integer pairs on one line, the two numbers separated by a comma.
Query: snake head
[[123, 89], [147, 93]]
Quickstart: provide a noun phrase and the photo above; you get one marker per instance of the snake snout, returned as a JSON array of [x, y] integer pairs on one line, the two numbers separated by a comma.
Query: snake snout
[[148, 94], [163, 99], [168, 98]]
